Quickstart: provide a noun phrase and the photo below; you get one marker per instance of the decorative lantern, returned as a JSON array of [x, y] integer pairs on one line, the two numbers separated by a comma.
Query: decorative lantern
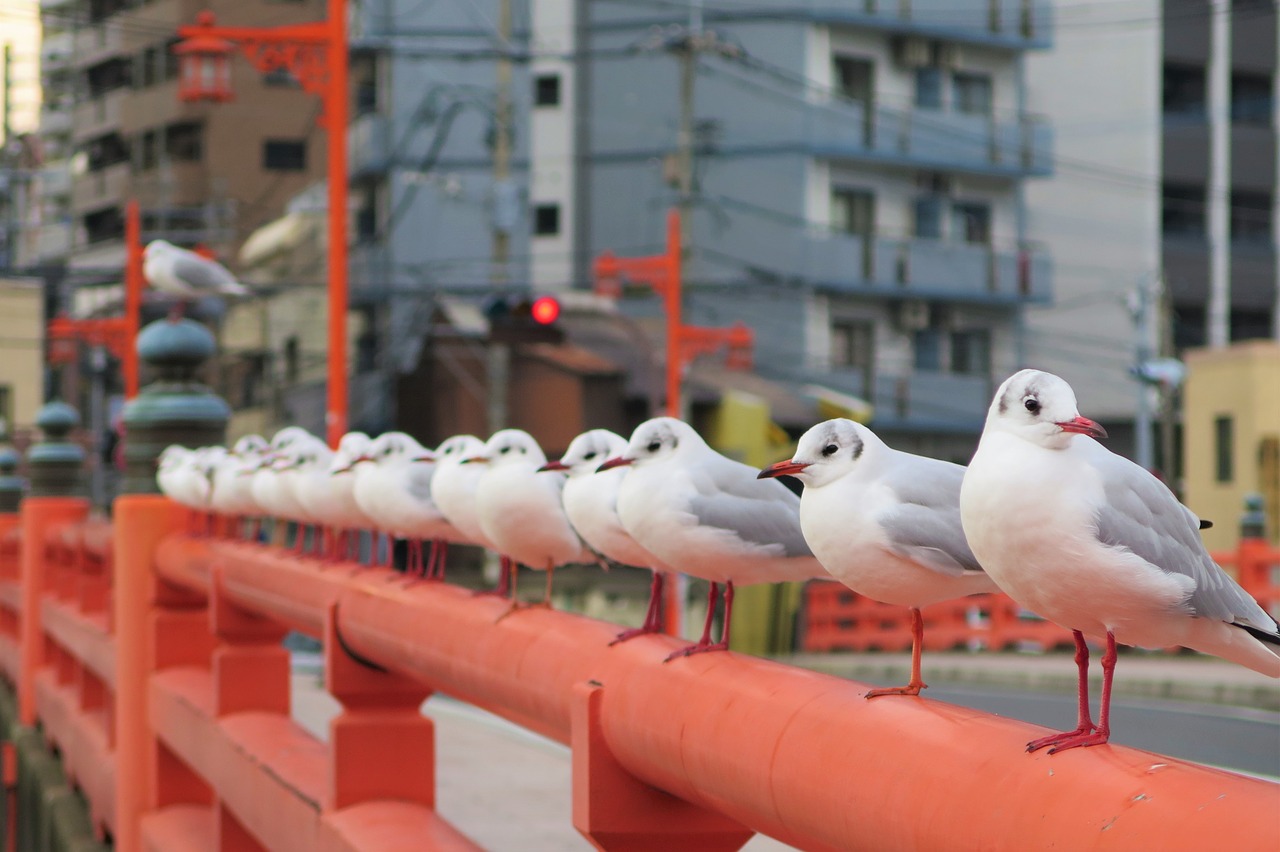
[[205, 63]]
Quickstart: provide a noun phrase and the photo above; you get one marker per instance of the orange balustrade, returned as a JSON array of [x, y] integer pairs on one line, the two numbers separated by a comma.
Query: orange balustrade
[[162, 679]]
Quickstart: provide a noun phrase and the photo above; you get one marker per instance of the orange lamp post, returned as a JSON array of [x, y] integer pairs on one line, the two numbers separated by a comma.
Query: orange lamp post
[[316, 54]]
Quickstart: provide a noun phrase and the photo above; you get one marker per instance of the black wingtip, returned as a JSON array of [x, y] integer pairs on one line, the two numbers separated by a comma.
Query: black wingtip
[[1206, 525], [1271, 637]]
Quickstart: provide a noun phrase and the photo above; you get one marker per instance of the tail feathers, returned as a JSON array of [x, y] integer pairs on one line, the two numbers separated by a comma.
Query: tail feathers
[[1245, 645]]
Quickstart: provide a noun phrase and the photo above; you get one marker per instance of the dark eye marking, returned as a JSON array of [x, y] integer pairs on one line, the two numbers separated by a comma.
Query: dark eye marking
[[1031, 404], [505, 450], [589, 456], [654, 446], [830, 450]]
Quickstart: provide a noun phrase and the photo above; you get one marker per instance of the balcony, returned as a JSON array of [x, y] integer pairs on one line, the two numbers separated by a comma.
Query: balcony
[[55, 179], [99, 115], [55, 50], [1253, 272], [55, 241], [100, 188], [96, 43], [368, 149], [55, 120], [918, 399], [889, 267]]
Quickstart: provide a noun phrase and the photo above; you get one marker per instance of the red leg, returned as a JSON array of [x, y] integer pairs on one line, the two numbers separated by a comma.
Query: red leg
[[652, 616], [917, 641], [439, 556], [704, 642], [1102, 732], [1084, 722]]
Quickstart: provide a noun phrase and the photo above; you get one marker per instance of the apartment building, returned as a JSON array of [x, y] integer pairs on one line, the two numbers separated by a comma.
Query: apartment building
[[113, 129], [857, 188]]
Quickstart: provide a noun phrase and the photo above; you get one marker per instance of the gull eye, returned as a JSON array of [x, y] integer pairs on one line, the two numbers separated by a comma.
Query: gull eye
[[654, 446], [504, 450], [1032, 404], [589, 456], [830, 450]]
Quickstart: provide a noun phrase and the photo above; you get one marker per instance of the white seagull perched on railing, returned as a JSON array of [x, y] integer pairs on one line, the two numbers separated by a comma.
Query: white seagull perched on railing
[[186, 274], [1095, 543], [884, 523]]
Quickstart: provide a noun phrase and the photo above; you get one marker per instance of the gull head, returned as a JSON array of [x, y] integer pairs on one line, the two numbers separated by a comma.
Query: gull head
[[588, 451], [824, 454], [457, 449], [287, 436], [1040, 408], [394, 448], [656, 440], [512, 446]]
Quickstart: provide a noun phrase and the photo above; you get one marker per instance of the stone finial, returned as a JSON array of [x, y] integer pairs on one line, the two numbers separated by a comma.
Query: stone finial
[[1253, 524], [12, 486], [175, 408], [55, 462]]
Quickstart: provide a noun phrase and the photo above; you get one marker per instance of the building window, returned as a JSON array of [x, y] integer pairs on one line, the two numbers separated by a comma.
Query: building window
[[1183, 91], [852, 344], [1223, 449], [149, 156], [6, 412], [853, 78], [1182, 210], [853, 211], [972, 93], [971, 352], [171, 68], [928, 217], [971, 223], [927, 344], [546, 90], [292, 359], [1251, 218], [184, 142], [929, 87], [281, 78], [1251, 99], [107, 224], [284, 155], [546, 220], [149, 69]]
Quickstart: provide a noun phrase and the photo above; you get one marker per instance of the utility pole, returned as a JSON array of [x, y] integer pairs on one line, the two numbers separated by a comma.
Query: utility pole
[[1168, 390], [1144, 334], [1218, 193], [688, 54], [503, 213]]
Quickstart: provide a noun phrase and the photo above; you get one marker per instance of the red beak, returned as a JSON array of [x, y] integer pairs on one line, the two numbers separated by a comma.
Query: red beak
[[554, 464], [427, 458], [1083, 426], [789, 467], [618, 461]]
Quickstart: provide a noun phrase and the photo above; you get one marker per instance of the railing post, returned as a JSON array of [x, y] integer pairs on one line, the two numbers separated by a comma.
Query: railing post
[[143, 641], [380, 725], [618, 813]]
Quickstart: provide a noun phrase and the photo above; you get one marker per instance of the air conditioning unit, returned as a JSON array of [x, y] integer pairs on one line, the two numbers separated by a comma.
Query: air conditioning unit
[[911, 52], [947, 55], [911, 315]]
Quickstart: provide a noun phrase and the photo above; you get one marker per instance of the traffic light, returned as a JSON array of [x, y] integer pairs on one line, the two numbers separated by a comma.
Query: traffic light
[[523, 319]]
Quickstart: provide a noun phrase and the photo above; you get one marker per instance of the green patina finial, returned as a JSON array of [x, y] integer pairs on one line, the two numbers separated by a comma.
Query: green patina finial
[[175, 408], [55, 462], [12, 486]]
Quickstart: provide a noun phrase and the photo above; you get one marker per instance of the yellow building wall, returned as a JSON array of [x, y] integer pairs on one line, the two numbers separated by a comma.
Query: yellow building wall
[[22, 351], [1241, 382]]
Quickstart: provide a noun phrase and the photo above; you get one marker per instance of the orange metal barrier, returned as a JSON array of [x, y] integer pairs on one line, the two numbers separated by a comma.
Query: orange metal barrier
[[837, 619], [174, 673]]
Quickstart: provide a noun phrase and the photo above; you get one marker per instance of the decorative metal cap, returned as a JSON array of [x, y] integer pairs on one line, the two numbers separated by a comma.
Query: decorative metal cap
[[12, 486], [1253, 524], [174, 409], [55, 462]]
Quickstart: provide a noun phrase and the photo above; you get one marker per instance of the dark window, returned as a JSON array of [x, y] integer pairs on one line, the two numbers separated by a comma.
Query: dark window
[[853, 347], [6, 412], [105, 224], [284, 155], [292, 359], [546, 220], [108, 76], [1251, 218], [149, 69], [929, 217], [148, 156], [971, 223], [1183, 93], [1223, 450], [853, 78], [107, 151], [971, 93], [1251, 99], [853, 211], [971, 352], [546, 90], [929, 87], [170, 67], [281, 78], [928, 349], [1182, 210], [184, 142]]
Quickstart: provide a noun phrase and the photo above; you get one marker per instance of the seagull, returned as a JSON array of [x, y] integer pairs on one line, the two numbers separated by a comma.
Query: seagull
[[706, 515], [393, 487], [591, 504], [294, 466], [186, 274], [453, 489], [521, 510], [186, 477], [270, 490], [885, 523], [1095, 543], [338, 506], [233, 479]]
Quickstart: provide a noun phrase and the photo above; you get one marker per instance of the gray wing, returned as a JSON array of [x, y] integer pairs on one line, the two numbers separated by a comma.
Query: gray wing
[[760, 511], [1143, 516], [419, 481], [925, 526], [199, 273]]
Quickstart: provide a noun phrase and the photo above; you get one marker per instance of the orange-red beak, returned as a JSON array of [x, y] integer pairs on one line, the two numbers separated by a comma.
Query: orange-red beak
[[1083, 426], [554, 464], [617, 461], [789, 467]]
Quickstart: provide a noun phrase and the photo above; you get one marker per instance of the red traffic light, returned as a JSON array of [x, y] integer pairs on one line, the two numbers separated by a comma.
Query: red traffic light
[[545, 310]]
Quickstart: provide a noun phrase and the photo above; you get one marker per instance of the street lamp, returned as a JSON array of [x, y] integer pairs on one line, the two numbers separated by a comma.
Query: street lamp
[[316, 55]]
